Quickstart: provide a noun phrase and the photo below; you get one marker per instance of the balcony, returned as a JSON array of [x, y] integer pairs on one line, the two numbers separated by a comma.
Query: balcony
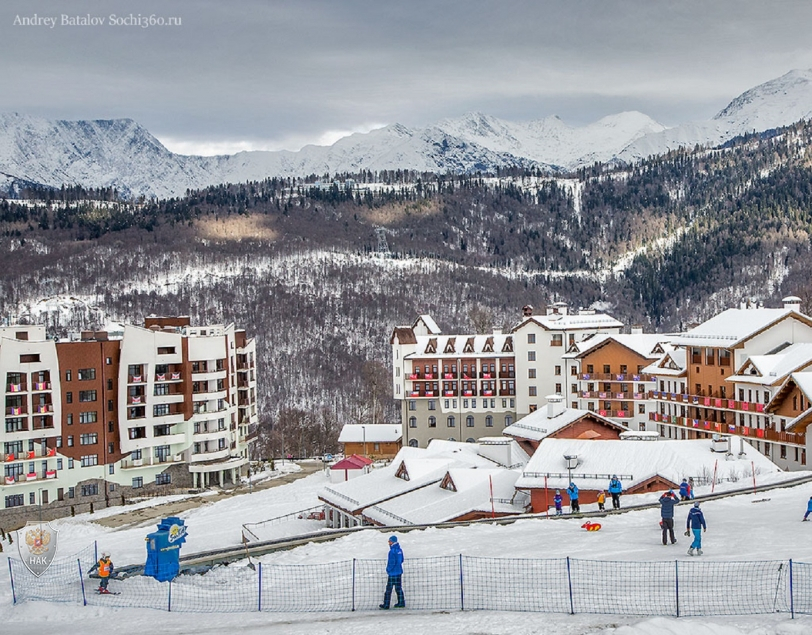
[[28, 455], [40, 386], [211, 455], [136, 379], [14, 411], [131, 464], [615, 414], [625, 396], [44, 408], [703, 401], [168, 377], [617, 377], [16, 388], [699, 425]]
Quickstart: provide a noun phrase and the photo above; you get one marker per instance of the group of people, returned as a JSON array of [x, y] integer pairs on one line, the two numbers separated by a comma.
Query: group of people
[[695, 523], [615, 490]]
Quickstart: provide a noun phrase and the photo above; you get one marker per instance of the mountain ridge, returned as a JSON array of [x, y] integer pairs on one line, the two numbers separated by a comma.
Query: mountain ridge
[[123, 154]]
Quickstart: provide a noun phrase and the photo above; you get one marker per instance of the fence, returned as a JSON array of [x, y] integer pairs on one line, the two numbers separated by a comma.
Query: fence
[[556, 585]]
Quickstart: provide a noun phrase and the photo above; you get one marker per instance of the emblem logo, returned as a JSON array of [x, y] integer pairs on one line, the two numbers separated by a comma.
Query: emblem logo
[[37, 544]]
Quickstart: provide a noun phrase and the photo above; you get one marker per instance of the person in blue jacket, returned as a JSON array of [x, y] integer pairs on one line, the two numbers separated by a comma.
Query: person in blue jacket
[[615, 488], [667, 502], [808, 508], [394, 572], [572, 492], [695, 524], [684, 490], [558, 501]]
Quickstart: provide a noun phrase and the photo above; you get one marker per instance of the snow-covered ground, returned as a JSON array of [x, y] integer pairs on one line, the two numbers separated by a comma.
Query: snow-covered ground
[[760, 526]]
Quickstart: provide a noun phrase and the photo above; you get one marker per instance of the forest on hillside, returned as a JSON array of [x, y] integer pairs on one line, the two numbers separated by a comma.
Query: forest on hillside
[[298, 263]]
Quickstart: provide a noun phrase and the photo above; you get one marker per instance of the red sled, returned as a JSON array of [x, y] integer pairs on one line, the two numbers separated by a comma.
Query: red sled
[[591, 526]]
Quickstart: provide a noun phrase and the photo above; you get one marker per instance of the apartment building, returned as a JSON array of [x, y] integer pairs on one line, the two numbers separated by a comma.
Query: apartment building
[[98, 418], [611, 379], [732, 367], [464, 387]]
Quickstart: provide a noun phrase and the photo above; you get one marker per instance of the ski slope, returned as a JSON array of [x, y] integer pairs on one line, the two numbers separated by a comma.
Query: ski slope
[[746, 527]]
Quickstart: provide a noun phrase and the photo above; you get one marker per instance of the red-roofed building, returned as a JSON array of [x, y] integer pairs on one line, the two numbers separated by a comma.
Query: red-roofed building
[[348, 468]]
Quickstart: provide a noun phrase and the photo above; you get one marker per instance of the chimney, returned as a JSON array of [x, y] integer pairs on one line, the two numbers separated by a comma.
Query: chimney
[[527, 310], [637, 329], [792, 302], [497, 331], [555, 406]]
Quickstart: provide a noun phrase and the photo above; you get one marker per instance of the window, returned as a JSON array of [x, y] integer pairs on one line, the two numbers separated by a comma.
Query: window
[[15, 500], [531, 338], [531, 356], [469, 421], [59, 464], [32, 498], [412, 422], [90, 490], [85, 374], [557, 340], [432, 404], [558, 389], [166, 350], [70, 466], [87, 395], [508, 420], [558, 370], [532, 391], [641, 408], [412, 404], [489, 421], [111, 469], [68, 397], [531, 373], [432, 422], [87, 417], [90, 459], [30, 358], [607, 369], [163, 479], [451, 422], [412, 443], [109, 384], [70, 440], [160, 410], [108, 360], [88, 439], [573, 371], [110, 407]]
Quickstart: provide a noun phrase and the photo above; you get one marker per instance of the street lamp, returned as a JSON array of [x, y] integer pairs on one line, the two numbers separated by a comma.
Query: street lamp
[[364, 436]]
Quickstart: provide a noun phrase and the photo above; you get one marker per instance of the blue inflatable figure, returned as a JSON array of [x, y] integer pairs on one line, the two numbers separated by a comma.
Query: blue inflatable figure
[[163, 549]]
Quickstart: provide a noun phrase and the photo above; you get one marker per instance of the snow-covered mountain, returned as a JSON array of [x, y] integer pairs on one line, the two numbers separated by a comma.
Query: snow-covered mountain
[[123, 154]]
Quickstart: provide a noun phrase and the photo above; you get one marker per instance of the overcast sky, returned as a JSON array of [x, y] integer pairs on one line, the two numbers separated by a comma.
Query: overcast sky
[[251, 74]]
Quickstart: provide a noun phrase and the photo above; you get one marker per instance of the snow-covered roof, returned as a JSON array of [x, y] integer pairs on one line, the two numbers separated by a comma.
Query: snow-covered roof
[[372, 433], [431, 325], [644, 344], [772, 368], [672, 364], [537, 425], [559, 322], [732, 327], [455, 345], [642, 460], [418, 467], [459, 492], [353, 462]]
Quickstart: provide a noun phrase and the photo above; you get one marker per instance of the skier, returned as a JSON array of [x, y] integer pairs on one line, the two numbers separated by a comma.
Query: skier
[[558, 500], [696, 524], [105, 567], [667, 502], [808, 508], [601, 500], [684, 490], [394, 572], [615, 488], [691, 487], [572, 492]]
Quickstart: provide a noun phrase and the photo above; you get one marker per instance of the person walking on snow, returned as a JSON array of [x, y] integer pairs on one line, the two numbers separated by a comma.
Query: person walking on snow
[[601, 500], [696, 524], [105, 568], [667, 502], [808, 508], [572, 492], [615, 488], [684, 490], [690, 487], [559, 501], [394, 572]]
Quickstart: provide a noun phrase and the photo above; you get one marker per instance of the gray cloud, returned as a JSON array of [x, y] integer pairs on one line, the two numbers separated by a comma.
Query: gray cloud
[[282, 73]]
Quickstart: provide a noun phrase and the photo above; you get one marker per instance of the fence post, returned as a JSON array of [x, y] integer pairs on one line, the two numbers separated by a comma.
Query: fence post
[[96, 550], [676, 583], [569, 581], [11, 576], [353, 584], [791, 592], [82, 582], [259, 596], [462, 588], [169, 599]]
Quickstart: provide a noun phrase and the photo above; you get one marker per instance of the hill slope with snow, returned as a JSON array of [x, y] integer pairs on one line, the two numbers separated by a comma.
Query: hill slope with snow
[[120, 153]]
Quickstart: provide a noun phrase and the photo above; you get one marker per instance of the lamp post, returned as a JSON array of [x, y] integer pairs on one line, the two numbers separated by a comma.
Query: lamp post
[[364, 437]]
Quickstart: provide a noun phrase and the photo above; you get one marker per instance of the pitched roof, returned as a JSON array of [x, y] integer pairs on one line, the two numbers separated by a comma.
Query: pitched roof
[[733, 327], [774, 367], [643, 344], [372, 433], [558, 322], [672, 364], [459, 492], [641, 460], [454, 346], [537, 426], [352, 462], [404, 335]]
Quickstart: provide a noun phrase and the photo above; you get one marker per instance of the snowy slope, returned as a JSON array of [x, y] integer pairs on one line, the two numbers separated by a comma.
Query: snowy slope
[[123, 154]]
